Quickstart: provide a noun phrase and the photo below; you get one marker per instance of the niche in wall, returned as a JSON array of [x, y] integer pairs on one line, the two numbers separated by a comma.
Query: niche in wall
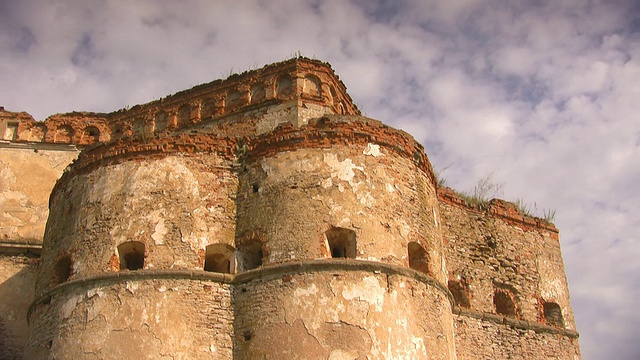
[[553, 314], [249, 255], [131, 255], [62, 269], [218, 258], [504, 303], [460, 292], [418, 257], [341, 242]]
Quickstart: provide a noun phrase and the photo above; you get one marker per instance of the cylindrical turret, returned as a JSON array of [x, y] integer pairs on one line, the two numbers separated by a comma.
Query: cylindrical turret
[[123, 240], [340, 189]]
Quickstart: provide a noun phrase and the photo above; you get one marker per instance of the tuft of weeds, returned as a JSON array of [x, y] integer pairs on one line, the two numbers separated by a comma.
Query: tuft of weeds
[[486, 189], [549, 215], [528, 209]]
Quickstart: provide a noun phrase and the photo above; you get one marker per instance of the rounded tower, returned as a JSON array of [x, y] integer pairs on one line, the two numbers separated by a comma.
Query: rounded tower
[[342, 216], [257, 217]]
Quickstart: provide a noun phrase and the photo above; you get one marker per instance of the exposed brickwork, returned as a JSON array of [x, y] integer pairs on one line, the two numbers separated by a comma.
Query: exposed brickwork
[[506, 260], [295, 80], [481, 336], [506, 210], [323, 235]]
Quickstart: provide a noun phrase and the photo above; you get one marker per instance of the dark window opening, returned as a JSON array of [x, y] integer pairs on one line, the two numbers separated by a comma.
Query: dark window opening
[[91, 135], [139, 126], [553, 314], [284, 86], [218, 258], [63, 269], [247, 335], [258, 93], [233, 99], [418, 257], [504, 303], [208, 108], [131, 255], [249, 255], [341, 242], [184, 114], [460, 293], [161, 121]]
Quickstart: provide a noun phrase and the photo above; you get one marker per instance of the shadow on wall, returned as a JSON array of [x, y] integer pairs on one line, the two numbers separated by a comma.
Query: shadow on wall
[[17, 284]]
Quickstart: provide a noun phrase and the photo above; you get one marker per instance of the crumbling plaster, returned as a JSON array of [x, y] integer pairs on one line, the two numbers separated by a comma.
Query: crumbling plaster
[[275, 168]]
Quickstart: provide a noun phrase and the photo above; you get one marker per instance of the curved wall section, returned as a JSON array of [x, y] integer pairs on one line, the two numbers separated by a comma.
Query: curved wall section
[[311, 194], [135, 317], [171, 207], [341, 310]]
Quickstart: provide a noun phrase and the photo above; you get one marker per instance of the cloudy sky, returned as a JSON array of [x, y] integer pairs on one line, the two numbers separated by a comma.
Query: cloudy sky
[[543, 95]]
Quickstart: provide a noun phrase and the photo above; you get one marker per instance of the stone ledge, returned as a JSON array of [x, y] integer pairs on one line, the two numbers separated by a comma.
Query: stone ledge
[[268, 272], [37, 146], [519, 324], [118, 277], [20, 247], [325, 265]]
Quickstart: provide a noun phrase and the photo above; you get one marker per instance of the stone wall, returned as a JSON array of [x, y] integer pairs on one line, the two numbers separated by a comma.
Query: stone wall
[[78, 128], [28, 172], [135, 315], [261, 216], [480, 336], [253, 102], [341, 309], [174, 207], [17, 279], [296, 199], [507, 278], [335, 187]]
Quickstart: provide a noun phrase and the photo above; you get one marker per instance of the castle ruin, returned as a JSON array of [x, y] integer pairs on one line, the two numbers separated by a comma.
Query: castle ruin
[[260, 217]]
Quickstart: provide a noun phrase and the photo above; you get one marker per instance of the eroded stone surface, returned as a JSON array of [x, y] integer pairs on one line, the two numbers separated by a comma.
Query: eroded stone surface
[[355, 315], [17, 276], [26, 179], [153, 319], [322, 233]]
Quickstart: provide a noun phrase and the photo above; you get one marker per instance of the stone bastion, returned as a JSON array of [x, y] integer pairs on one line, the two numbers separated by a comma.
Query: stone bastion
[[262, 216]]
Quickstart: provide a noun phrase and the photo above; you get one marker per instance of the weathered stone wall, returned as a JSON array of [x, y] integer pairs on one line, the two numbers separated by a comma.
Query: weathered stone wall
[[488, 253], [253, 102], [341, 310], [478, 337], [28, 172], [137, 315], [279, 88], [509, 268], [79, 128], [177, 194], [262, 217], [27, 175], [293, 198], [17, 279], [175, 206]]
